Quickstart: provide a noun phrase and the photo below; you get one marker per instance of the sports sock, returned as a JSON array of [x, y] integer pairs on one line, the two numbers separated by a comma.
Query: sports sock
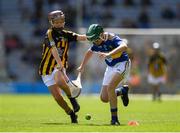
[[114, 118], [70, 112], [73, 102], [114, 114]]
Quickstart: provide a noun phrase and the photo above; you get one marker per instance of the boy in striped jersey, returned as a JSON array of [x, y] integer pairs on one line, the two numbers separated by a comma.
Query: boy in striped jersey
[[54, 61]]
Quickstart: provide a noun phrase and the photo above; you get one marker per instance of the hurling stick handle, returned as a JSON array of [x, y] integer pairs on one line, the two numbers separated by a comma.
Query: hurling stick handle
[[79, 76]]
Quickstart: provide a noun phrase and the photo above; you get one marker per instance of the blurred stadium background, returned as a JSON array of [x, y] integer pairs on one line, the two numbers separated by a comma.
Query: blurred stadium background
[[23, 24]]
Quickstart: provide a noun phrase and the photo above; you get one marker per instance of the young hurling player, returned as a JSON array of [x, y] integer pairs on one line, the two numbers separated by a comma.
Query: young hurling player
[[157, 71], [113, 50], [54, 61]]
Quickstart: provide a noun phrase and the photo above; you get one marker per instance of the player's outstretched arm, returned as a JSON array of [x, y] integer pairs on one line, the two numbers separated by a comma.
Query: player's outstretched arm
[[87, 56], [81, 37]]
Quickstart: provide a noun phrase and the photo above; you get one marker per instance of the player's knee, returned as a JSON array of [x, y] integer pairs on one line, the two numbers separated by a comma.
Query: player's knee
[[110, 89], [60, 82], [104, 99]]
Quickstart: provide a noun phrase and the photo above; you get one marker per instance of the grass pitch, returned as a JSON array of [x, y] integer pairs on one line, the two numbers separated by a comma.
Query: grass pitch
[[41, 113]]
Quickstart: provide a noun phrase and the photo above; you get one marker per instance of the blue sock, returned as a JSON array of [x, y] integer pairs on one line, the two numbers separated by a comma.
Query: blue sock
[[114, 118], [114, 114]]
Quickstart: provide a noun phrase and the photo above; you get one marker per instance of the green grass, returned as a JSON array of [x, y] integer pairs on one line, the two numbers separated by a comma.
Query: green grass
[[41, 113]]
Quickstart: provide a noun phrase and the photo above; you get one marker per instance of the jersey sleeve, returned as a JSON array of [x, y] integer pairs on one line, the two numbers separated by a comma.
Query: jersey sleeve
[[94, 48], [71, 36], [117, 41]]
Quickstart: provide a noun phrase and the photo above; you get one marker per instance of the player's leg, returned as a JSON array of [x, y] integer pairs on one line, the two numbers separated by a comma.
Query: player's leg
[[123, 92], [59, 79], [114, 81], [61, 82], [156, 92], [104, 90], [104, 94], [161, 82], [119, 76], [124, 69], [108, 94], [153, 81], [56, 93]]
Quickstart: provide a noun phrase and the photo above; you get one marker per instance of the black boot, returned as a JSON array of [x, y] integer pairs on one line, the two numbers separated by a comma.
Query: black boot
[[114, 120], [73, 117]]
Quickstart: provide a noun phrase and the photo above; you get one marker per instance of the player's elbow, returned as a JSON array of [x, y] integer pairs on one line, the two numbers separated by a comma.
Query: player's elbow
[[125, 48]]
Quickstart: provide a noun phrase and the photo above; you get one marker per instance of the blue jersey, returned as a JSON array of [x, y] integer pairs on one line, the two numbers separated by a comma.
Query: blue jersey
[[108, 46]]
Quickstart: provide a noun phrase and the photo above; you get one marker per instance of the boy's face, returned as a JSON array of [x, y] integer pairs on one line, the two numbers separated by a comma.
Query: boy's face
[[99, 40], [59, 23]]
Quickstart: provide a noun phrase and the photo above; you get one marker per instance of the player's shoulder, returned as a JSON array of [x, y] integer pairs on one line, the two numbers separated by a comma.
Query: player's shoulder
[[49, 31], [111, 36]]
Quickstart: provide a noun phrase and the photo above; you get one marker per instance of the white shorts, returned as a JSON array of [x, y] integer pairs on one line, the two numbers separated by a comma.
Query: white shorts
[[122, 67], [49, 79], [156, 80]]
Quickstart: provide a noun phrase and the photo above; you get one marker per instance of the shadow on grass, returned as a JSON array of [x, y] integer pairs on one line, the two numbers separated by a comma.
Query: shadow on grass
[[55, 123], [87, 124], [91, 124]]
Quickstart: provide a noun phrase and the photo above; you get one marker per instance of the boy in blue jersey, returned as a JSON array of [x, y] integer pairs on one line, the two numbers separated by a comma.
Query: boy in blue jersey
[[113, 50]]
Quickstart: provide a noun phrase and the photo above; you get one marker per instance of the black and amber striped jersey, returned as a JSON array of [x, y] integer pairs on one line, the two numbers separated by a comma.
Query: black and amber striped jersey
[[157, 65], [60, 40]]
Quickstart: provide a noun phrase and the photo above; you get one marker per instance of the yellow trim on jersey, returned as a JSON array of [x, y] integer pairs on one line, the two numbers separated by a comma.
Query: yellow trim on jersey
[[65, 51], [46, 50], [47, 62], [52, 65], [63, 43], [116, 55], [59, 44]]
